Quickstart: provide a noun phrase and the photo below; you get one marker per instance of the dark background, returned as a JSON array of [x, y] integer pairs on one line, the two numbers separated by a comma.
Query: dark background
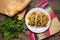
[[55, 5]]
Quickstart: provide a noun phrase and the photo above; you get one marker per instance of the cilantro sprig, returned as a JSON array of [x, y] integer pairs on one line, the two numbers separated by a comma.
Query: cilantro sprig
[[12, 27]]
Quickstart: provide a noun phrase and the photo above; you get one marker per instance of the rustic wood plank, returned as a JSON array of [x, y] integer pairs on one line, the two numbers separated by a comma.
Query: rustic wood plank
[[55, 4]]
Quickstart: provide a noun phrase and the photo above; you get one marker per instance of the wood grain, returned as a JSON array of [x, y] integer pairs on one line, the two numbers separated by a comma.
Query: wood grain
[[55, 4]]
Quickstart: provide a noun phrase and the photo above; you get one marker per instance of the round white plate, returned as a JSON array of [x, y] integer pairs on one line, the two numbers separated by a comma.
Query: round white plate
[[40, 29]]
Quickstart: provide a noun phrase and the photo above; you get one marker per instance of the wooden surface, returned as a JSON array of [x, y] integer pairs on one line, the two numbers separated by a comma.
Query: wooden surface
[[55, 4]]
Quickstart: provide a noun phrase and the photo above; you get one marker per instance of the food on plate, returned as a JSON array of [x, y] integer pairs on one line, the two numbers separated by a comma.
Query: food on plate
[[12, 7], [31, 19], [45, 19], [38, 19]]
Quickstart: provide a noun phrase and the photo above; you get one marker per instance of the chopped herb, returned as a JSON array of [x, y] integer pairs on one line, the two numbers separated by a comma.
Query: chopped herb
[[11, 28]]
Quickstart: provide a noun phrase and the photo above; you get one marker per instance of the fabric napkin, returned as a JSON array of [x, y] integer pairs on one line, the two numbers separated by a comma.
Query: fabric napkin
[[54, 28]]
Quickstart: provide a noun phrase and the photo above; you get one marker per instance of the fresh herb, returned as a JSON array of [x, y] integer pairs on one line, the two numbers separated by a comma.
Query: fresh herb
[[12, 27]]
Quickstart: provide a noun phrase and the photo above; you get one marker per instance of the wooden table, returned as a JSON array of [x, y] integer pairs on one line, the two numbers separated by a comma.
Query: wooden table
[[55, 4]]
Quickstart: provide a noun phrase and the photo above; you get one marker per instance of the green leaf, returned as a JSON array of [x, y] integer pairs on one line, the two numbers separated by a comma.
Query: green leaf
[[12, 27]]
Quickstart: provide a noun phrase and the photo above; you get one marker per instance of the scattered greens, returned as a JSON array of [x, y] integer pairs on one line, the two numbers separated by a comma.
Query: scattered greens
[[11, 28]]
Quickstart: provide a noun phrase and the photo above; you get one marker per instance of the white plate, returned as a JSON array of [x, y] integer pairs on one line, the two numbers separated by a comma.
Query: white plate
[[40, 29]]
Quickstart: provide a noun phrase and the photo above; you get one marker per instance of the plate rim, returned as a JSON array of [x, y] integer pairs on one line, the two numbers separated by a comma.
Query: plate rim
[[33, 27]]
